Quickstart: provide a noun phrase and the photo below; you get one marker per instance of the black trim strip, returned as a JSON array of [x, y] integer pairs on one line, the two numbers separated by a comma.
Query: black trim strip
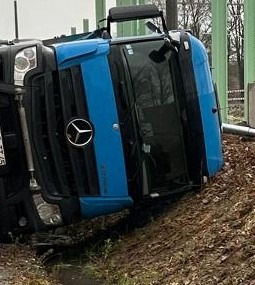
[[195, 147]]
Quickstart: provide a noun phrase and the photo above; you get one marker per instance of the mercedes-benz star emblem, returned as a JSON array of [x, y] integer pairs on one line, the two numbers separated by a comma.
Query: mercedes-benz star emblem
[[79, 132]]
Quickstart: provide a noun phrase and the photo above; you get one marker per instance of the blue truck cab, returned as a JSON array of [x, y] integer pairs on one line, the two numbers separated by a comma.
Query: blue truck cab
[[94, 125]]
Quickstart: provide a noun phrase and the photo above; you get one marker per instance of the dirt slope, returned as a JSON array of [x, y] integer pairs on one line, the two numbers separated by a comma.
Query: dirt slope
[[20, 266], [204, 238]]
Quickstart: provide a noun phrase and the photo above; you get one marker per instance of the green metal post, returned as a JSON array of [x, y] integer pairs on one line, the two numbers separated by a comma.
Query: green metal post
[[142, 29], [119, 25], [134, 23], [249, 50], [100, 10], [126, 28], [85, 25], [219, 52], [73, 30]]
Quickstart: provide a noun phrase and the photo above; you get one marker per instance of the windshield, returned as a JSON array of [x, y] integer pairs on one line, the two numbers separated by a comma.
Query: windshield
[[158, 112]]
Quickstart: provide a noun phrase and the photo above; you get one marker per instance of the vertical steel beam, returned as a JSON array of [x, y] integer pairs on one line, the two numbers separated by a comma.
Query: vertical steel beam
[[85, 25], [73, 30], [120, 26], [16, 20], [141, 26], [100, 10], [219, 52], [126, 28], [171, 14], [134, 31], [249, 51], [120, 29]]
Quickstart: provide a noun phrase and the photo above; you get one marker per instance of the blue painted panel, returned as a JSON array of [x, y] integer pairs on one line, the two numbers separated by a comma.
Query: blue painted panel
[[103, 115], [207, 101], [74, 52], [93, 207]]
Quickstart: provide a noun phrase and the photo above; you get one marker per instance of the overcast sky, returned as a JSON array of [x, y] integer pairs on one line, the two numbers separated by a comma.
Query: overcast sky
[[46, 18]]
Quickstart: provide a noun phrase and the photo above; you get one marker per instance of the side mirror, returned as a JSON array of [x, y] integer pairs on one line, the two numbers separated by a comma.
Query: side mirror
[[137, 12], [152, 27]]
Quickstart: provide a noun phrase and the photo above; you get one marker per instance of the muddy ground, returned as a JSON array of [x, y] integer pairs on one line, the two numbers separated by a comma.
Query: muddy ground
[[205, 237]]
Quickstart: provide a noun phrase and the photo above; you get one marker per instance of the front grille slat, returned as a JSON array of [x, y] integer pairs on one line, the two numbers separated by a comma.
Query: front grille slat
[[50, 135]]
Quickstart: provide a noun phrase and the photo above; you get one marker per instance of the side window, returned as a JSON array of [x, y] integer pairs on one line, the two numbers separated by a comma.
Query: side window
[[158, 112], [150, 74]]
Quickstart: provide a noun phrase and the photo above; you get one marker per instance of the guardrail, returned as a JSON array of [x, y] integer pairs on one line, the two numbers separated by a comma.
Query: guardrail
[[233, 99]]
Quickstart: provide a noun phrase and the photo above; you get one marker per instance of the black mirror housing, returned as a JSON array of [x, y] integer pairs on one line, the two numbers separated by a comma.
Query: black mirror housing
[[136, 12]]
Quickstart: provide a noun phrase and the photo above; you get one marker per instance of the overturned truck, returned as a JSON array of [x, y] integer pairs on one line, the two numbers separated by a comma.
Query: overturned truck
[[95, 125]]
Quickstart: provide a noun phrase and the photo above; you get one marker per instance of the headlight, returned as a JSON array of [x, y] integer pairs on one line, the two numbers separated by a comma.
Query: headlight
[[25, 61]]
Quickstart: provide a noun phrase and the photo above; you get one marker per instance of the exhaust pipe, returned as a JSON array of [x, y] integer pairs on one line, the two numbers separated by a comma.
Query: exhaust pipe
[[237, 130]]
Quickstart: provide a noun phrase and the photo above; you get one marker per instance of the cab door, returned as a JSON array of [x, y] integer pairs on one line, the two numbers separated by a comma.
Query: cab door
[[158, 116]]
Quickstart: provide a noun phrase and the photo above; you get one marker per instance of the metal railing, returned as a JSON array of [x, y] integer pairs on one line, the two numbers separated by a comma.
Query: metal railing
[[235, 114], [233, 98]]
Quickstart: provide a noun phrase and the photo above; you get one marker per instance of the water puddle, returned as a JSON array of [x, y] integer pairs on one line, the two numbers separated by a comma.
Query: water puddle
[[69, 274]]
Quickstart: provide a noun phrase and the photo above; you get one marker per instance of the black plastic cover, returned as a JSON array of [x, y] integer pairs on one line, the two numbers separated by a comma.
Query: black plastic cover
[[127, 13]]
